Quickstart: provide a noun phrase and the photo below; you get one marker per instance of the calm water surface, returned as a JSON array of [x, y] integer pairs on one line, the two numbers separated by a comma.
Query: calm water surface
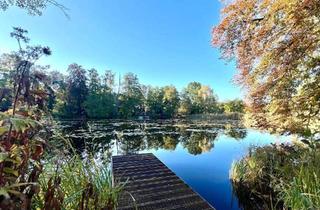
[[201, 153]]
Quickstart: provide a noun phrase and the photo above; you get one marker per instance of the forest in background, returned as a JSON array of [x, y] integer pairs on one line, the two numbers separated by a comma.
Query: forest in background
[[84, 93]]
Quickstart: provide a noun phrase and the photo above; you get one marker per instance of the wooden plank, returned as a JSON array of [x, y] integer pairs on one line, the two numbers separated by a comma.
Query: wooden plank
[[151, 185]]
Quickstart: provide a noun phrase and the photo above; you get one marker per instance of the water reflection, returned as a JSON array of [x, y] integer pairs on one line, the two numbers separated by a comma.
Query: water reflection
[[236, 133], [132, 137], [198, 142], [186, 147]]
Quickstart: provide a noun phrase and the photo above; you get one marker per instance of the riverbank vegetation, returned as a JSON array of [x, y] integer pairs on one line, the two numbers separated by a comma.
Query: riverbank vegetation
[[279, 177], [28, 178], [276, 46], [74, 183]]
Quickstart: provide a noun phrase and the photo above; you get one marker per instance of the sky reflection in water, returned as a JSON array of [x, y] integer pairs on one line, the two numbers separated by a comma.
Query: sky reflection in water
[[200, 153]]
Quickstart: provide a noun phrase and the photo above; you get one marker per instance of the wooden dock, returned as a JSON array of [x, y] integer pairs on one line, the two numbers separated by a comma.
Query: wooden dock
[[151, 185]]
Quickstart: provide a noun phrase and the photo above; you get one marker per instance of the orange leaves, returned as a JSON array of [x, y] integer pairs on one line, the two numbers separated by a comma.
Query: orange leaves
[[272, 42]]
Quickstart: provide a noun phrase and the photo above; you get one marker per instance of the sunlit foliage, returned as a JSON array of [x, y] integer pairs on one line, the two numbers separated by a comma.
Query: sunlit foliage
[[131, 97], [22, 142], [197, 98], [162, 102], [233, 106], [278, 177], [276, 47]]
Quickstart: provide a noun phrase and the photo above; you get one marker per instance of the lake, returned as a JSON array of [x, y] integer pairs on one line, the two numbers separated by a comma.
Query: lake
[[201, 153]]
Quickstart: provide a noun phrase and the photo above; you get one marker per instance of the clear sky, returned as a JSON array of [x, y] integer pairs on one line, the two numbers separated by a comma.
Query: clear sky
[[162, 41]]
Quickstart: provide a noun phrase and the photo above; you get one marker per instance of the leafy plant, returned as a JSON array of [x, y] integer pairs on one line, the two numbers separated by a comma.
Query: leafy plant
[[22, 143]]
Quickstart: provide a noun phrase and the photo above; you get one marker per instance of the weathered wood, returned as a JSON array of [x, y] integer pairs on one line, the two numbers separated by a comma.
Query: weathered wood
[[151, 185]]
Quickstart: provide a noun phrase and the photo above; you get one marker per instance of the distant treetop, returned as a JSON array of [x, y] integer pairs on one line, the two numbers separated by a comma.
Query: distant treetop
[[33, 7]]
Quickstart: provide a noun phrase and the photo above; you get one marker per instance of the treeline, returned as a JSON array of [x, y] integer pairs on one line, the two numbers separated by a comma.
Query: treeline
[[86, 94]]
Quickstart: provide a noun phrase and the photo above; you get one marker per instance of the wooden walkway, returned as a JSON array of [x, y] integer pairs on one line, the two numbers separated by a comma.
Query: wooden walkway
[[152, 185]]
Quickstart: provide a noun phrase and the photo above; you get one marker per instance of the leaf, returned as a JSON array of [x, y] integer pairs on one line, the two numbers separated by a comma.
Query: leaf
[[3, 156], [3, 129], [4, 116], [22, 184], [22, 124], [4, 192], [11, 171]]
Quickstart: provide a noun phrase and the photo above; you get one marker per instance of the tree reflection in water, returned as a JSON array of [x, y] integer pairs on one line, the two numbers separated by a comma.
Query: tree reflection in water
[[234, 132], [132, 136], [198, 142]]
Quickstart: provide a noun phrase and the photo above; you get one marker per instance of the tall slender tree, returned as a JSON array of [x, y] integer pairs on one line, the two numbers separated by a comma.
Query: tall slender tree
[[131, 98], [77, 91]]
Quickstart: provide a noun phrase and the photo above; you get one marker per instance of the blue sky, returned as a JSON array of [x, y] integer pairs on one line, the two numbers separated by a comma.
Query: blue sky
[[162, 41]]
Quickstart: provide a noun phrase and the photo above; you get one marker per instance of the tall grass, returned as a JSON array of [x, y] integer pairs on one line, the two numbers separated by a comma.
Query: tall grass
[[281, 176], [303, 190], [70, 181]]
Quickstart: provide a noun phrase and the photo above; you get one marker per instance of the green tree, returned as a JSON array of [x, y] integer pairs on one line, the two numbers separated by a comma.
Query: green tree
[[185, 105], [200, 98], [94, 82], [162, 102], [76, 92], [131, 98], [192, 91], [233, 106], [100, 102], [208, 101], [108, 80], [7, 67], [154, 103], [170, 101]]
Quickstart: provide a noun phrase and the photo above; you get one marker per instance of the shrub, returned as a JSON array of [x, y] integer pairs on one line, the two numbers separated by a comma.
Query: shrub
[[283, 176]]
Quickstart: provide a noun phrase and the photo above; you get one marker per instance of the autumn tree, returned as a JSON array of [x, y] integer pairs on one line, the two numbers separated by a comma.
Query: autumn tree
[[276, 47]]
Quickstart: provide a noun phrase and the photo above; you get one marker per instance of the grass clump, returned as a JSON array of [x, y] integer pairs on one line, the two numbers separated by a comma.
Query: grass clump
[[74, 183], [279, 177]]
